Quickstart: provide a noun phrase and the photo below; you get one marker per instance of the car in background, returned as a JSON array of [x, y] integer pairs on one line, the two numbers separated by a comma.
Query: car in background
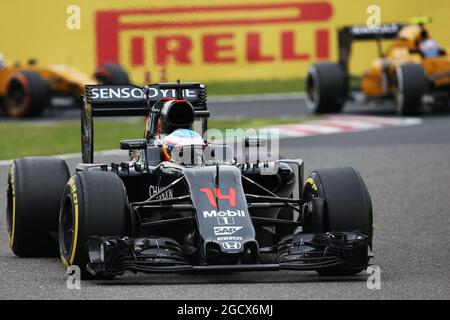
[[412, 70], [27, 90]]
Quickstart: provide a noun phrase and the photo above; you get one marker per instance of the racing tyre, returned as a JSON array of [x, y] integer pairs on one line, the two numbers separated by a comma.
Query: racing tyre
[[34, 189], [346, 207], [94, 203], [111, 74], [326, 88], [410, 84], [27, 95]]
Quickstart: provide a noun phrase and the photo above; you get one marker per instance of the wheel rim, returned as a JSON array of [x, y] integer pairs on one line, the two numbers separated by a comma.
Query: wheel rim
[[66, 226], [16, 98], [310, 193]]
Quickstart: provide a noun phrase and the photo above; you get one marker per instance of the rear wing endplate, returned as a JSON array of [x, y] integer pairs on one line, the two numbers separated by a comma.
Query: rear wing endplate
[[348, 34]]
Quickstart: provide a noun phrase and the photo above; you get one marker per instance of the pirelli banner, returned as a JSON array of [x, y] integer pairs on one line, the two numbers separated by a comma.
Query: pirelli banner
[[198, 40]]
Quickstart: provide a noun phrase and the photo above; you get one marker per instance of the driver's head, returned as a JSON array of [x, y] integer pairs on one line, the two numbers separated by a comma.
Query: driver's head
[[424, 35], [174, 142]]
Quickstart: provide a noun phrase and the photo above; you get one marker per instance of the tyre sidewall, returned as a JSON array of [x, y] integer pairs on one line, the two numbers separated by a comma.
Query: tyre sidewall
[[97, 212]]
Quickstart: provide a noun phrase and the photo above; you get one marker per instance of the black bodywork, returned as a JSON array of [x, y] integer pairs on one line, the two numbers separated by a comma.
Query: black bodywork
[[205, 216]]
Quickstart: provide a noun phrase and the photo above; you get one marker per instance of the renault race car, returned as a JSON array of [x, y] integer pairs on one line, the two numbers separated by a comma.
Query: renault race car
[[414, 69], [182, 204], [26, 90]]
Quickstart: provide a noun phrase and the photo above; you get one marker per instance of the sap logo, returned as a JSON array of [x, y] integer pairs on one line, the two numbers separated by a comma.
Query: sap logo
[[153, 190], [228, 213], [229, 238], [232, 245], [226, 231], [117, 93]]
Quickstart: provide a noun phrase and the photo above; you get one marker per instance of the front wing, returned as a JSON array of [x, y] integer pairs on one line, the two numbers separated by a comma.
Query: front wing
[[110, 256]]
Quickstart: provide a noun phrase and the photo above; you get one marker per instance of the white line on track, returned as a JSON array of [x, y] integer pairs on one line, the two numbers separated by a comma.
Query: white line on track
[[335, 124]]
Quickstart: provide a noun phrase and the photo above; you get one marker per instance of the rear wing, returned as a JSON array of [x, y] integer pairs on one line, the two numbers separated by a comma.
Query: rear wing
[[347, 35], [133, 101]]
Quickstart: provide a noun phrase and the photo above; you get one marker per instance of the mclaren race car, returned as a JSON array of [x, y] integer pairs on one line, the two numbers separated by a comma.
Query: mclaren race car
[[182, 204], [26, 90], [413, 71]]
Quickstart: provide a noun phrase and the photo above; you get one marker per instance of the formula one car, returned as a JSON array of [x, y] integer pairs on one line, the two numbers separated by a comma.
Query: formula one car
[[181, 204], [25, 91], [415, 69]]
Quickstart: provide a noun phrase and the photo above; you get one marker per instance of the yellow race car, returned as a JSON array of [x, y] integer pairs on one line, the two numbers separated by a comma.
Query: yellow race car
[[26, 90], [412, 70]]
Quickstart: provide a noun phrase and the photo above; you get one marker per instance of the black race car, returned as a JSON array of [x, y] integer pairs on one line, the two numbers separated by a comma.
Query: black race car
[[188, 212]]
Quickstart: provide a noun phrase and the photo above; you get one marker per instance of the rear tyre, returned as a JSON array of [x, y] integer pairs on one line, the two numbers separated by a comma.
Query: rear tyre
[[94, 203], [111, 74], [410, 85], [27, 95], [346, 207], [326, 88], [34, 191]]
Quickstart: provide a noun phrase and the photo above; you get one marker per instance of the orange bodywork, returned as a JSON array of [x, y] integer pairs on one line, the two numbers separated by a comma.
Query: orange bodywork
[[61, 78], [376, 83]]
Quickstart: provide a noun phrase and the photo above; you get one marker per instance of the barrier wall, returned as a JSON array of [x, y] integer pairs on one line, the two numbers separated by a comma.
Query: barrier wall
[[199, 39]]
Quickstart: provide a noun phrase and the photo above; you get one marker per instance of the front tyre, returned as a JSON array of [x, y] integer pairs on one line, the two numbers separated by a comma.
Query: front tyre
[[346, 207], [410, 85], [94, 203]]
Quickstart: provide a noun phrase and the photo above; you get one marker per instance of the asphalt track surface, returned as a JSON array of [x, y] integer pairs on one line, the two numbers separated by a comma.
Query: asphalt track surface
[[407, 171]]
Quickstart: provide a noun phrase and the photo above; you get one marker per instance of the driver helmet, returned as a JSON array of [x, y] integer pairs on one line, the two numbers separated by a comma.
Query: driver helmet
[[2, 61], [178, 139]]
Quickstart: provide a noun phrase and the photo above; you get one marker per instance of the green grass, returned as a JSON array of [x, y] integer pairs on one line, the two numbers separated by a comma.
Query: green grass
[[37, 139], [21, 139], [257, 86]]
